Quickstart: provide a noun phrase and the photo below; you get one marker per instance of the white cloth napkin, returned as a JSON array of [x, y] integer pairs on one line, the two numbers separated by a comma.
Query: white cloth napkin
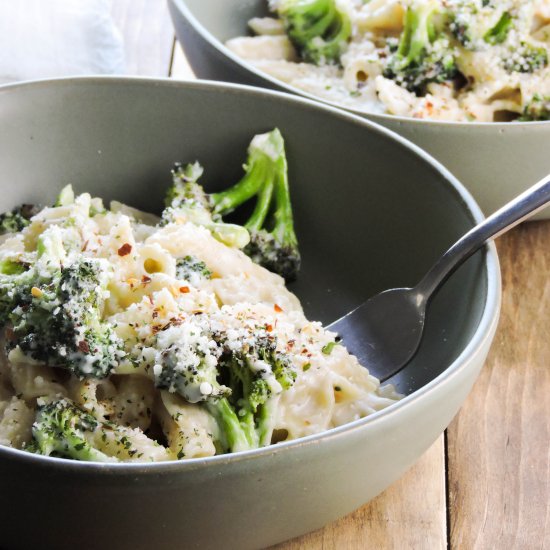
[[49, 38]]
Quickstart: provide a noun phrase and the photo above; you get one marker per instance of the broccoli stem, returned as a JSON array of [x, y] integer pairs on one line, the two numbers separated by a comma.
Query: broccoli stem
[[261, 210], [418, 32], [248, 425], [234, 437], [309, 18], [264, 152], [265, 416], [498, 33], [284, 220], [226, 201]]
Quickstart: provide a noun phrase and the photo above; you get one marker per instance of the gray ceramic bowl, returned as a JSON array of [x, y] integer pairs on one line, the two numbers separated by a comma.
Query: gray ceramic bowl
[[372, 212], [496, 161]]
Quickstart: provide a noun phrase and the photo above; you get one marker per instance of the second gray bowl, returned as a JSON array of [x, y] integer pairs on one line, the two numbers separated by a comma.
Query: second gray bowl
[[496, 161]]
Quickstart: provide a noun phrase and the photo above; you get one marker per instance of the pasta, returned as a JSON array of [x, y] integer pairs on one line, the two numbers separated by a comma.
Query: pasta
[[481, 60], [130, 410]]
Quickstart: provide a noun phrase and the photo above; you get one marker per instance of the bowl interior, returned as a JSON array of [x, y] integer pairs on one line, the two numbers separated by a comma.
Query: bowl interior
[[371, 212], [227, 19]]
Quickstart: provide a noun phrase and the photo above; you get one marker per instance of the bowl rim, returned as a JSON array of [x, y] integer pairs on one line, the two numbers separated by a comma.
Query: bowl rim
[[483, 333], [182, 7]]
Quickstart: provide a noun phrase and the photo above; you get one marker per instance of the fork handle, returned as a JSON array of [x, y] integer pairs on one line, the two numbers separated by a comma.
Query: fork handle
[[518, 209]]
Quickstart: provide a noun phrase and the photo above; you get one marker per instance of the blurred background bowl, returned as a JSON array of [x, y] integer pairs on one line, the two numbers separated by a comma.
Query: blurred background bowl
[[372, 210], [495, 161]]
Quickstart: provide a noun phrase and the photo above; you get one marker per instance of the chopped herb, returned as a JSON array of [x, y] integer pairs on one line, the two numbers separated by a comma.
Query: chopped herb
[[329, 347]]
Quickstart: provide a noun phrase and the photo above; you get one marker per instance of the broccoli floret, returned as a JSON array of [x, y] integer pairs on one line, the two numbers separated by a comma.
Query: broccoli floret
[[319, 29], [252, 372], [16, 280], [63, 430], [17, 219], [185, 189], [192, 269], [424, 54], [469, 22], [236, 375], [186, 201], [538, 108], [188, 366], [256, 374], [56, 319], [270, 237], [273, 243], [527, 58], [460, 27]]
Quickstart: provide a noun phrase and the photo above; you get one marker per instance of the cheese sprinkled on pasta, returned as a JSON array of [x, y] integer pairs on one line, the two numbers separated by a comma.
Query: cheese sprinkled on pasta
[[173, 303]]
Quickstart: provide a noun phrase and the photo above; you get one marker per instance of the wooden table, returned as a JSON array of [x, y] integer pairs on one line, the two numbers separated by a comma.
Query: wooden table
[[486, 482]]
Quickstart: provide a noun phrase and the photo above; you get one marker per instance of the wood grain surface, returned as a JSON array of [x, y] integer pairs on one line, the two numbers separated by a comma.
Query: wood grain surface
[[498, 446], [486, 485]]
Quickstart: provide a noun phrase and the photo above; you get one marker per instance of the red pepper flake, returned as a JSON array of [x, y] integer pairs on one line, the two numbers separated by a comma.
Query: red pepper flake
[[184, 289], [145, 280], [155, 314], [83, 346], [125, 249], [277, 308], [150, 299], [269, 328]]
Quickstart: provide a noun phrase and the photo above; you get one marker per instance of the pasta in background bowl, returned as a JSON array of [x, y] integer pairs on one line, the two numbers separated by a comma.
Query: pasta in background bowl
[[114, 138], [495, 160], [457, 60]]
